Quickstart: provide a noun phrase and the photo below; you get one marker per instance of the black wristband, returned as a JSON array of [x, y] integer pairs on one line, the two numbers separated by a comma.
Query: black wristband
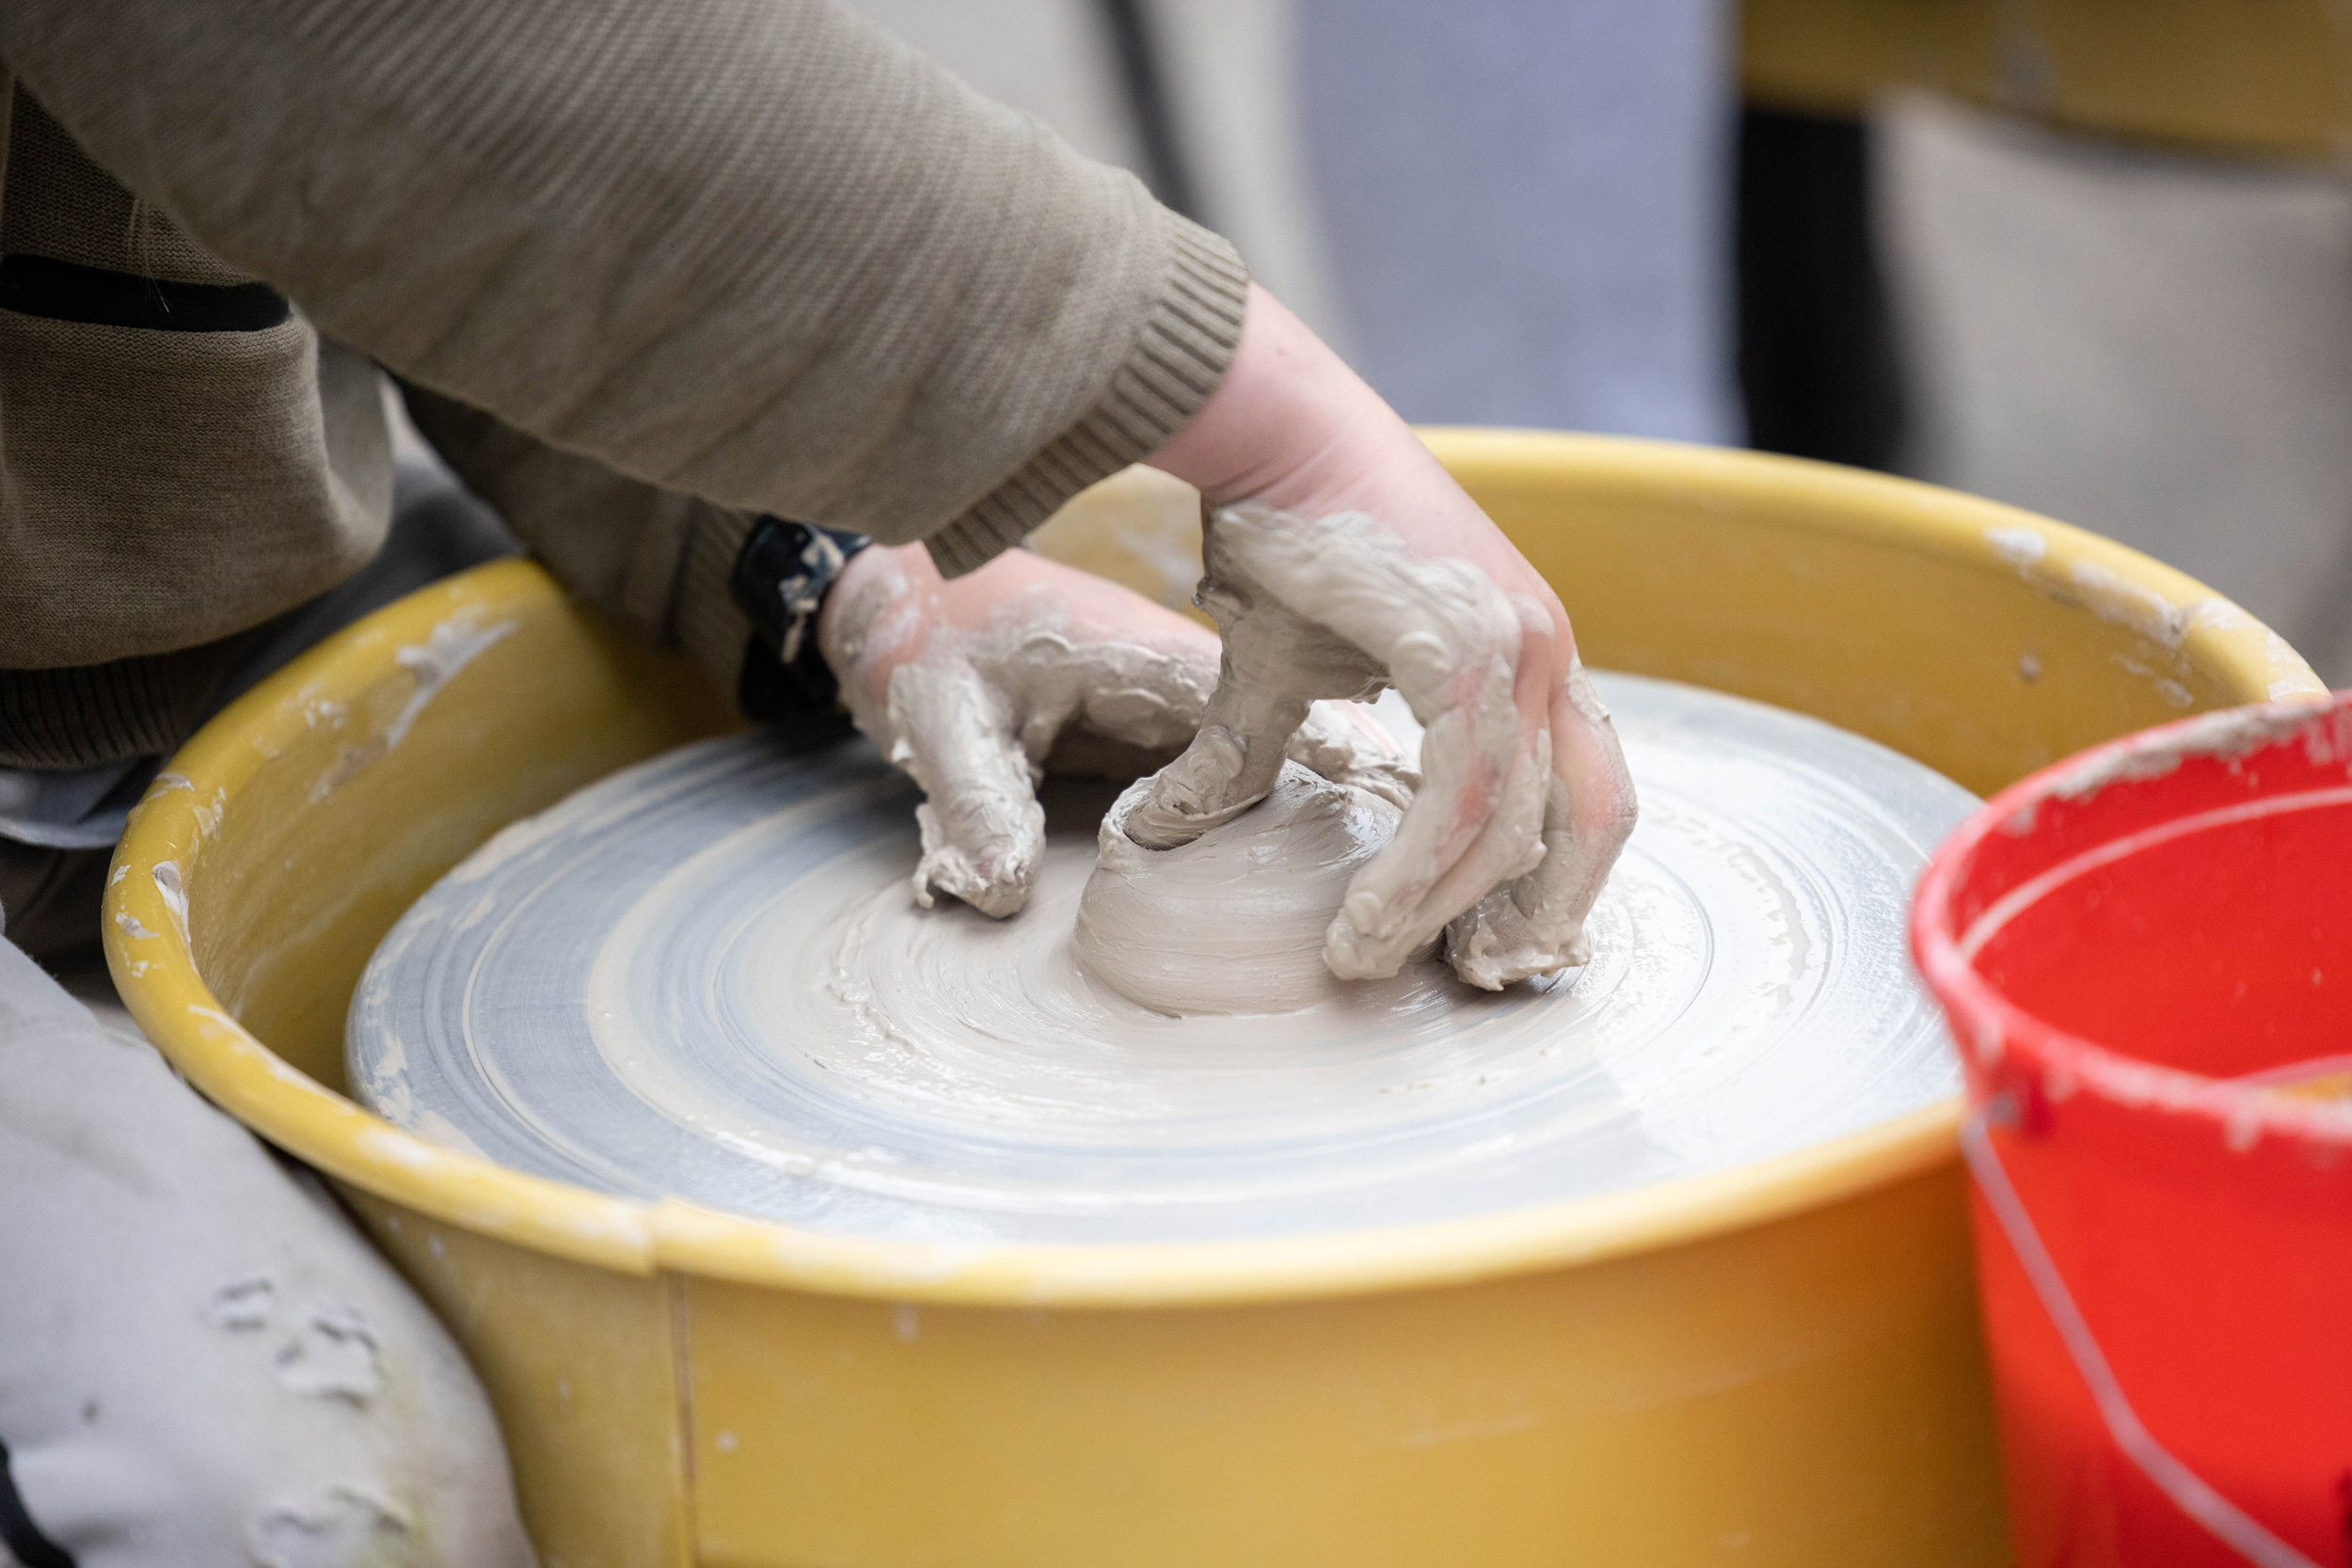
[[780, 580]]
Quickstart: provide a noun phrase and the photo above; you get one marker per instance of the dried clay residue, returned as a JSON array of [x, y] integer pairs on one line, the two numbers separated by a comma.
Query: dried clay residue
[[322, 1349], [451, 646], [2227, 736], [343, 1524], [2164, 626]]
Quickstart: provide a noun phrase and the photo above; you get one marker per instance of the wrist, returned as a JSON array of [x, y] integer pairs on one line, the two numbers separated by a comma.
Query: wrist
[[783, 575], [1287, 424], [1293, 426]]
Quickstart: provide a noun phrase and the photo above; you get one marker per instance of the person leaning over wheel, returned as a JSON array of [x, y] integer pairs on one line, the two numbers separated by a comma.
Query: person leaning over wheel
[[669, 283]]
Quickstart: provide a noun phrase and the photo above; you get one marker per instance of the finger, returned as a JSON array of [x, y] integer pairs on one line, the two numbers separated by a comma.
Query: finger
[[982, 828], [1344, 743], [1274, 664], [1602, 805], [1468, 661], [1536, 925], [1475, 822], [1452, 643], [1118, 707], [1147, 697], [1230, 767]]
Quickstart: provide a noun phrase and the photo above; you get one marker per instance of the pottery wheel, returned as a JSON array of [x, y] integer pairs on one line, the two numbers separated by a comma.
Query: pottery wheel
[[704, 978]]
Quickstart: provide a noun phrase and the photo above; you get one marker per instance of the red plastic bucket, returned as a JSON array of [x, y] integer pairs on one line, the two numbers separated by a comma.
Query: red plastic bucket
[[2145, 954]]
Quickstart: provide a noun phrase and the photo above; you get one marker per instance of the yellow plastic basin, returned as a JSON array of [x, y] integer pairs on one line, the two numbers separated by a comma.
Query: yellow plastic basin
[[1776, 1366]]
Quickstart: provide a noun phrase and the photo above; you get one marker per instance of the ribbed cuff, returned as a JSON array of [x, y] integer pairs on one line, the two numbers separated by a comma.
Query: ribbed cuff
[[1186, 341], [712, 629], [81, 716]]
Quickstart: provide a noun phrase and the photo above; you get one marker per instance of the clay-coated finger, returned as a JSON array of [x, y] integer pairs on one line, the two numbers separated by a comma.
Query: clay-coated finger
[[1476, 820], [1259, 569], [1536, 925], [1247, 729], [1229, 768], [1146, 696], [1393, 910], [982, 828]]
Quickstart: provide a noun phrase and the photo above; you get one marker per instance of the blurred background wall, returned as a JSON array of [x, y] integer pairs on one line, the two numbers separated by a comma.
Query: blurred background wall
[[2093, 256]]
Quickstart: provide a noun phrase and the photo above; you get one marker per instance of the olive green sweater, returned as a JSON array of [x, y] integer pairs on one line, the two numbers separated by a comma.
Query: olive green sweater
[[654, 267]]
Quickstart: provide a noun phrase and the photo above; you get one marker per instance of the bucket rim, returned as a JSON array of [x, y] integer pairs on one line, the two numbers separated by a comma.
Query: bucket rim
[[1993, 1033]]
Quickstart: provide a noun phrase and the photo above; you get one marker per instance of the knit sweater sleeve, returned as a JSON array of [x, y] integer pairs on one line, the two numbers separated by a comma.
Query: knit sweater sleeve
[[658, 561], [753, 252]]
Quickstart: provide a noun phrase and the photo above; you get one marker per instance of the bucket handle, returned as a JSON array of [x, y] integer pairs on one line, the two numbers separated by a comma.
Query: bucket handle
[[2232, 1526]]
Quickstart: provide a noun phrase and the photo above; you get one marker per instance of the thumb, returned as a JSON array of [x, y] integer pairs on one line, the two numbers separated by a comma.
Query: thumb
[[982, 828], [1273, 664], [1229, 768]]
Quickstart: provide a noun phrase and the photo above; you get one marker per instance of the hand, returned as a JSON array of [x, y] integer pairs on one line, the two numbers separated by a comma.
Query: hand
[[1341, 556], [974, 687]]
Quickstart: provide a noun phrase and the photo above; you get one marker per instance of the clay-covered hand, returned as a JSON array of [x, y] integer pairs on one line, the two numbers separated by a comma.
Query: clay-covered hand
[[974, 687], [1340, 558]]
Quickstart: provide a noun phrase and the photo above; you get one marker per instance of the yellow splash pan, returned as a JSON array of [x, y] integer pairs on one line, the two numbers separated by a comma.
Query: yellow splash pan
[[1779, 1366]]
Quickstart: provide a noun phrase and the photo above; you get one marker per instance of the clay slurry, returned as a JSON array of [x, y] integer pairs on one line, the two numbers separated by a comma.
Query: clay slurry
[[703, 977]]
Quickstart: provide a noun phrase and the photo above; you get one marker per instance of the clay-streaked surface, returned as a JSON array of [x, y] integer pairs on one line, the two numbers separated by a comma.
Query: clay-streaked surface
[[704, 978]]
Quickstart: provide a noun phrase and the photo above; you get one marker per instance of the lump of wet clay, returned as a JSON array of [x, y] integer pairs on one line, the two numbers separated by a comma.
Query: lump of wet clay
[[1233, 921]]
